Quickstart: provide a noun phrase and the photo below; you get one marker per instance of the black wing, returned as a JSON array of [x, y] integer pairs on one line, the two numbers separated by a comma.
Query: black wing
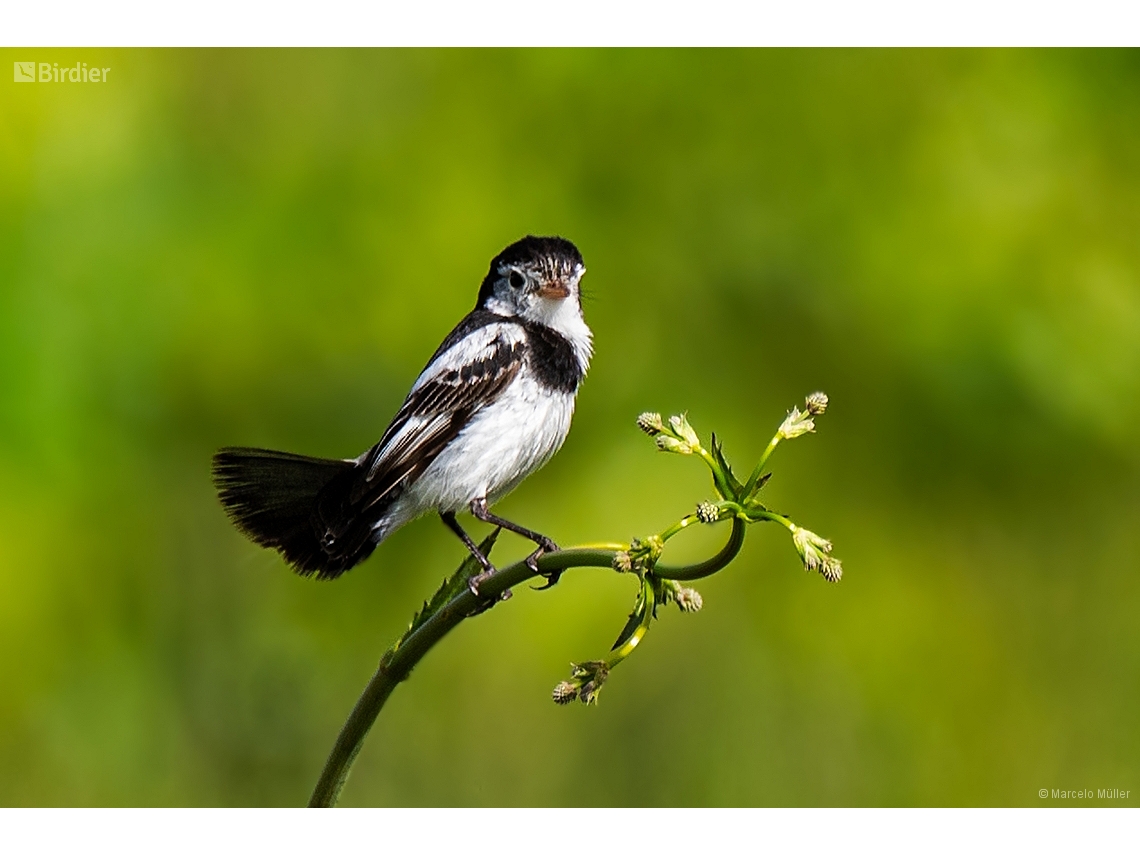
[[457, 383]]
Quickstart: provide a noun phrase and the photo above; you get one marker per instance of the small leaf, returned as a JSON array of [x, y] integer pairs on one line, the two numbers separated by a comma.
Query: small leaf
[[718, 456], [633, 623]]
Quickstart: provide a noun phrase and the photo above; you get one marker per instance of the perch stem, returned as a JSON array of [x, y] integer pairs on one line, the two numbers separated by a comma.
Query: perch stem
[[397, 663]]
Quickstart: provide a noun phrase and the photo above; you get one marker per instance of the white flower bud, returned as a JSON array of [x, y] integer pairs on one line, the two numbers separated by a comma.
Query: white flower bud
[[707, 512], [685, 431], [816, 403], [796, 424], [668, 443], [811, 547], [689, 600], [651, 423], [831, 569]]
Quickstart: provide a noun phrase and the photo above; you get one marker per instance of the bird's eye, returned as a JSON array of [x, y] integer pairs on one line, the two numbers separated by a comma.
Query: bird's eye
[[517, 280]]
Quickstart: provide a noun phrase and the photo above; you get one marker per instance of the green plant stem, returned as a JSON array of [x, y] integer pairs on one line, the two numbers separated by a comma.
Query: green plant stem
[[780, 518], [647, 610], [755, 476], [397, 663], [679, 526], [719, 479], [712, 565]]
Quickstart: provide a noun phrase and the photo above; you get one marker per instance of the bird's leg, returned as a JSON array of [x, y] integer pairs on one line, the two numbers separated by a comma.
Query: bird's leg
[[544, 543], [475, 581]]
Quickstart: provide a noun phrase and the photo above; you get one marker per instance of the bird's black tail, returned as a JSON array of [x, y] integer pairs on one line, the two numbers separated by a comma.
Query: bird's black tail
[[275, 498]]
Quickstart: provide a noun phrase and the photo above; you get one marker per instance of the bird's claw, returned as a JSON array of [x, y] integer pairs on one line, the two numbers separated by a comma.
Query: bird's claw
[[475, 581], [553, 576]]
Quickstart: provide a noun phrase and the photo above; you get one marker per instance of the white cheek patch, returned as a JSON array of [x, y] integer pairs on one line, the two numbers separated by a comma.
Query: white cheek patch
[[500, 306]]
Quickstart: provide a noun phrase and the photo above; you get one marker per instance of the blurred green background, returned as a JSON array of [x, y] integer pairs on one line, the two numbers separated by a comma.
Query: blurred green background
[[264, 247]]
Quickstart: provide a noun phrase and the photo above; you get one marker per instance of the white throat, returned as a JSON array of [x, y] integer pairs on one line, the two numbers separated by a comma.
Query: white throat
[[562, 316], [565, 318]]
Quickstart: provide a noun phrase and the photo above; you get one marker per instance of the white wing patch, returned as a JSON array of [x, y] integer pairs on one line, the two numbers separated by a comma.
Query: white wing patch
[[480, 344], [454, 386]]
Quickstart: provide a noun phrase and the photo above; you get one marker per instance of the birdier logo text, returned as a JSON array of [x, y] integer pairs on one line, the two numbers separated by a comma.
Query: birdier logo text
[[53, 72]]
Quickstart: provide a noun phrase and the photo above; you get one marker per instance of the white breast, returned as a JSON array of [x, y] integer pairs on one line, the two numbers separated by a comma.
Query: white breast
[[503, 444]]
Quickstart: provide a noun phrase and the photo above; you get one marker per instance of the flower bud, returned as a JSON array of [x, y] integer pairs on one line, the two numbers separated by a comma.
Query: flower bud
[[668, 443], [595, 674], [811, 547], [796, 424], [565, 692], [815, 552], [816, 403], [688, 600], [643, 554], [684, 430], [707, 512], [651, 423], [622, 562], [831, 569]]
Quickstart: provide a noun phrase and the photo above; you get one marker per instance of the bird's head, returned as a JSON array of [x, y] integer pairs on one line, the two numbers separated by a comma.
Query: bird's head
[[537, 279]]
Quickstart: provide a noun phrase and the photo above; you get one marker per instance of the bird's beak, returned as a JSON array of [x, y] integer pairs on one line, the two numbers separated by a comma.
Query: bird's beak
[[556, 290]]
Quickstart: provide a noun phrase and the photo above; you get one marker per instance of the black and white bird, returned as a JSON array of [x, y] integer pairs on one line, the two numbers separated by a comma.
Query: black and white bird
[[493, 405]]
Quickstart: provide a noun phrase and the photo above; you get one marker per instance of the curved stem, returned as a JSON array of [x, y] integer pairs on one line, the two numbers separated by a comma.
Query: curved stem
[[679, 526], [648, 605], [712, 565], [397, 663], [780, 518]]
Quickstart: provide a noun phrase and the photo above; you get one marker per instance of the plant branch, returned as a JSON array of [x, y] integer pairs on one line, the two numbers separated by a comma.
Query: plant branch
[[397, 662], [659, 584], [712, 565]]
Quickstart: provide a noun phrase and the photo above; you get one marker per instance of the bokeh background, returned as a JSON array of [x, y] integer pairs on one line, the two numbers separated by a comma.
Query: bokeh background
[[264, 247]]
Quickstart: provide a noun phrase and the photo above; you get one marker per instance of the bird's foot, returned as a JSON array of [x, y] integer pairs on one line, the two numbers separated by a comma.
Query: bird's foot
[[545, 545], [475, 581]]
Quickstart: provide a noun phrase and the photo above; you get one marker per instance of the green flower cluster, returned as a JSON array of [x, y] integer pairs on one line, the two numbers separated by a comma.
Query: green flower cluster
[[736, 501]]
